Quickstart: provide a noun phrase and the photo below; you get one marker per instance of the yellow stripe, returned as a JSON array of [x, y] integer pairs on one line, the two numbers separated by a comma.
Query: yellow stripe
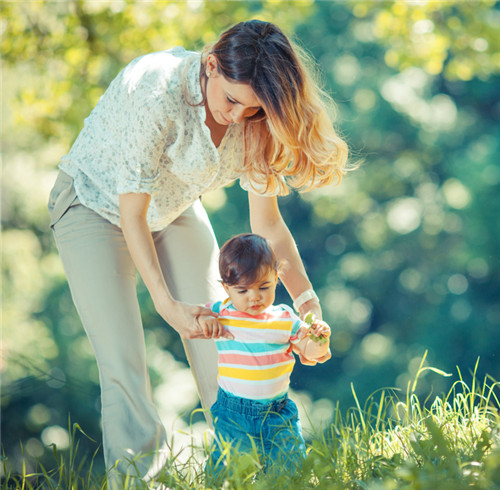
[[275, 325], [256, 374]]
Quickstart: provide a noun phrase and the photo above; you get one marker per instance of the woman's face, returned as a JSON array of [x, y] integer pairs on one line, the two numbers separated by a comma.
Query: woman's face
[[228, 102]]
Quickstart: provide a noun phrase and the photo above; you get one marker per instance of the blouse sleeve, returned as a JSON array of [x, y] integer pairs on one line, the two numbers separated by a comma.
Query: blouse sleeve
[[144, 135], [256, 188]]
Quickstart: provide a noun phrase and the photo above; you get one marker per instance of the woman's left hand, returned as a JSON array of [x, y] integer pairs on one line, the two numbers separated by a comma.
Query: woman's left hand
[[321, 360], [312, 306]]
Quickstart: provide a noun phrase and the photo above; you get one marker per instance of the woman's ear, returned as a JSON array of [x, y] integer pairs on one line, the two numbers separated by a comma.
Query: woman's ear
[[212, 66]]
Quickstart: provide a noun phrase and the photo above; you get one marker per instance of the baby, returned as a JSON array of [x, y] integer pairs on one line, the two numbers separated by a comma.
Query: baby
[[252, 408]]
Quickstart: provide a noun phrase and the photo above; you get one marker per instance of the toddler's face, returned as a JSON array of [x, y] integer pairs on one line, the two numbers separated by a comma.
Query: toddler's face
[[254, 298]]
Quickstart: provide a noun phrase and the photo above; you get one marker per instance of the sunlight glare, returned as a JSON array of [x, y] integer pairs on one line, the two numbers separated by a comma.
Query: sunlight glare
[[404, 215]]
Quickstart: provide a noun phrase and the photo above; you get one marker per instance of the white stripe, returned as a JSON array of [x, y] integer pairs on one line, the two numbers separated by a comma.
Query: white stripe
[[253, 391], [257, 368], [259, 382], [265, 336], [272, 318]]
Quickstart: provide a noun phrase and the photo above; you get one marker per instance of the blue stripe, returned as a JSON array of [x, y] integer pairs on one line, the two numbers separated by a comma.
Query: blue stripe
[[225, 345], [215, 307]]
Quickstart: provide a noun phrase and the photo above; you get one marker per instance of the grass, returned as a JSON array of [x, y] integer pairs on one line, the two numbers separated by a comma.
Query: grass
[[451, 442]]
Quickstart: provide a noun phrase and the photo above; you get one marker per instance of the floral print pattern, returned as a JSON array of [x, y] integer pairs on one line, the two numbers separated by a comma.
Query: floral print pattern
[[143, 137]]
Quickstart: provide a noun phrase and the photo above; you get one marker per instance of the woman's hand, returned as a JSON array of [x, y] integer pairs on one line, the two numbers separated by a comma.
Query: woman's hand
[[314, 347], [309, 362], [312, 306], [193, 322]]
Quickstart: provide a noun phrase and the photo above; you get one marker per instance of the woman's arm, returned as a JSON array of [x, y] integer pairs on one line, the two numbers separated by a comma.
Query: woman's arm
[[183, 317], [266, 220]]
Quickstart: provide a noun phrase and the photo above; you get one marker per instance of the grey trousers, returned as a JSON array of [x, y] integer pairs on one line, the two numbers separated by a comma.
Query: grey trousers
[[102, 280]]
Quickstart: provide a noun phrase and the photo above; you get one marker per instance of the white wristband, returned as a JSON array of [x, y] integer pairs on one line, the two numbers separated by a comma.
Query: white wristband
[[304, 298]]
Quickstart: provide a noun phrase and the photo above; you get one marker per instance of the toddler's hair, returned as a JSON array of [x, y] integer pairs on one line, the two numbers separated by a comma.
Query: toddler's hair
[[244, 258]]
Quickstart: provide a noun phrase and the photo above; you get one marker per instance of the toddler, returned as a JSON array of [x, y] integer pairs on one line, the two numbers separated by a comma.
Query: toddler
[[252, 408]]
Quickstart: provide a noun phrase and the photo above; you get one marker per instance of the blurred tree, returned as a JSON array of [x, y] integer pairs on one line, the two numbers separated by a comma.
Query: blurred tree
[[455, 39], [78, 47], [410, 237]]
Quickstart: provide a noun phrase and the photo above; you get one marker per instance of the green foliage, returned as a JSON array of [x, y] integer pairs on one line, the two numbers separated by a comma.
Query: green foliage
[[74, 49], [458, 39]]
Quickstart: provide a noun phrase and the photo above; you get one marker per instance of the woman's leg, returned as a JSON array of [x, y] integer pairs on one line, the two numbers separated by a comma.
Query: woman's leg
[[102, 279], [188, 253]]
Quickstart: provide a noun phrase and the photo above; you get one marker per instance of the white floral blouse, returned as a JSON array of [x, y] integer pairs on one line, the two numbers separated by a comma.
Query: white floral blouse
[[143, 136]]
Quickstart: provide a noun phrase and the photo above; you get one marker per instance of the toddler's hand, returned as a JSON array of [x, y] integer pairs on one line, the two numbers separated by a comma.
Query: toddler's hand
[[212, 328], [318, 331]]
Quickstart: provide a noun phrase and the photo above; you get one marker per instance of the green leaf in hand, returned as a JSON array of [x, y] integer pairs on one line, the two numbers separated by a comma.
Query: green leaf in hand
[[309, 319]]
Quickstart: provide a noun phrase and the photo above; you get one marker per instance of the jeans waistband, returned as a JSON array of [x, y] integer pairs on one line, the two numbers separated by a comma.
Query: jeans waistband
[[246, 406]]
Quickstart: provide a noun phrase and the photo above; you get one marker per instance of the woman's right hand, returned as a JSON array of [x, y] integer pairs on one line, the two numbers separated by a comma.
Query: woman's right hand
[[185, 319]]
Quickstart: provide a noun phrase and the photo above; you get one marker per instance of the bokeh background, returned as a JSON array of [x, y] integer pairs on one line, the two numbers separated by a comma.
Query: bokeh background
[[404, 253]]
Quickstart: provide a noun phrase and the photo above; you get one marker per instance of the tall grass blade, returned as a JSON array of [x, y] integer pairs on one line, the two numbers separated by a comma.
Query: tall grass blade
[[359, 407]]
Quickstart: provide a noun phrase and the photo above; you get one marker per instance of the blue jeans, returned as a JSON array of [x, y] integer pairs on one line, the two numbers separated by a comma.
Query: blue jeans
[[272, 428]]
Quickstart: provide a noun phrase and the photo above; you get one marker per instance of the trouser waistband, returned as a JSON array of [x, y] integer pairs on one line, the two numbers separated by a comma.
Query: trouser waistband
[[247, 406]]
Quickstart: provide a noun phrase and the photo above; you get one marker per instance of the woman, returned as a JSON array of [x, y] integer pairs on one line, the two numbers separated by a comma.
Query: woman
[[172, 126]]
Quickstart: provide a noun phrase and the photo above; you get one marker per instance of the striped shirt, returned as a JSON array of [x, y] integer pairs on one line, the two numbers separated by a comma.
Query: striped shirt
[[257, 364]]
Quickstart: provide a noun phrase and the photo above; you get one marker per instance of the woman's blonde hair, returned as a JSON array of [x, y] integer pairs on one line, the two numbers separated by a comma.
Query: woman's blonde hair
[[291, 142]]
